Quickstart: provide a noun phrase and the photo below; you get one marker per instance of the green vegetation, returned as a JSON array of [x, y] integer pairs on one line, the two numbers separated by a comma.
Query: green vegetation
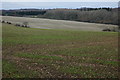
[[10, 70], [35, 56], [52, 53]]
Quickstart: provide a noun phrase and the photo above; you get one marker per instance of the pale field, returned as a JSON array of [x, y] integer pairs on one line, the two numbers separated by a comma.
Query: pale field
[[57, 24]]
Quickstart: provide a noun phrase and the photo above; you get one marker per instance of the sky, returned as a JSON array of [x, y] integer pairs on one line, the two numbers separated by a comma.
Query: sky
[[49, 4], [60, 0]]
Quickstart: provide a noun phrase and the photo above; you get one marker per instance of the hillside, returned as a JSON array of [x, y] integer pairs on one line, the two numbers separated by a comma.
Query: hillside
[[57, 24], [50, 53]]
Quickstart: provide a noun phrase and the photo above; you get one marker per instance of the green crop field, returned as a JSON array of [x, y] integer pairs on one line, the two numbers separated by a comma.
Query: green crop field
[[54, 53]]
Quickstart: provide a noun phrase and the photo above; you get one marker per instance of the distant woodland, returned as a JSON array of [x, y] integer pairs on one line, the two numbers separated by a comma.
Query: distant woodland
[[93, 15]]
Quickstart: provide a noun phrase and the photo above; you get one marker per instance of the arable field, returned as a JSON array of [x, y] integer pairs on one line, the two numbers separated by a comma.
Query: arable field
[[57, 24], [55, 53]]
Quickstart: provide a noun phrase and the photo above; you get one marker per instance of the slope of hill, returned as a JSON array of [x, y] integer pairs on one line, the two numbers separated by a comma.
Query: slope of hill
[[41, 53], [57, 24]]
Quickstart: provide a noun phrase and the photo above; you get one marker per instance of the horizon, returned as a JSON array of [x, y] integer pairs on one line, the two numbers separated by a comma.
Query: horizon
[[54, 5]]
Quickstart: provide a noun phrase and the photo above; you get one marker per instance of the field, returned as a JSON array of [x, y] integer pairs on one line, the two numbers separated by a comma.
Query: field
[[58, 53], [57, 24]]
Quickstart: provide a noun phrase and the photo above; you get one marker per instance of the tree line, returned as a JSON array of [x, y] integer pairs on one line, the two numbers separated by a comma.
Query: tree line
[[22, 12], [93, 15]]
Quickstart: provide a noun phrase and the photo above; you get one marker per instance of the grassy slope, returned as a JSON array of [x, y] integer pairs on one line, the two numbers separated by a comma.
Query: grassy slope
[[58, 53]]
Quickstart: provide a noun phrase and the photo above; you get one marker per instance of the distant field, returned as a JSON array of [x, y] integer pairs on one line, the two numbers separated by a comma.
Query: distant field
[[54, 53], [58, 24]]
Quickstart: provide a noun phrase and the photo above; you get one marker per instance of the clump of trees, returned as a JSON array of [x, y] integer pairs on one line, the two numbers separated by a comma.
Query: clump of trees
[[2, 21], [114, 29], [24, 24]]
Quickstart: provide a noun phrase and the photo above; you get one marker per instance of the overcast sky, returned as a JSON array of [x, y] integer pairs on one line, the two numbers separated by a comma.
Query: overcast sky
[[50, 5], [60, 0], [18, 4]]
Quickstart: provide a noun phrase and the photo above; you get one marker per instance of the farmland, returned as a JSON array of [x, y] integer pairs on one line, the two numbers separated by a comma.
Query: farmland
[[55, 52], [57, 24]]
